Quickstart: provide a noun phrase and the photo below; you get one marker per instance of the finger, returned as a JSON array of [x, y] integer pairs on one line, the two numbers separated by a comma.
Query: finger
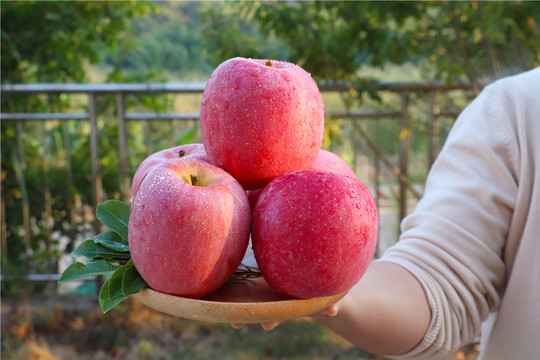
[[270, 326], [330, 311], [237, 326]]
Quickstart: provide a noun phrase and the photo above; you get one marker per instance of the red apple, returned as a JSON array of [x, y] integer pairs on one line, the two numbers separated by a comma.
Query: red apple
[[331, 162], [314, 233], [188, 151], [260, 119], [325, 161], [189, 227]]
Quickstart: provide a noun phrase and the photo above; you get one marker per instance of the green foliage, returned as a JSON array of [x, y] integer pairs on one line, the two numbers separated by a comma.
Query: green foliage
[[169, 39], [78, 271], [333, 40], [115, 215], [92, 249], [109, 255], [480, 40], [53, 42], [112, 240], [139, 41], [230, 31], [66, 35]]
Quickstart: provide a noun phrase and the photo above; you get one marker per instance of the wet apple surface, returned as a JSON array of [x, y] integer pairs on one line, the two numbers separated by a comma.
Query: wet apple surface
[[188, 228], [260, 121], [314, 233]]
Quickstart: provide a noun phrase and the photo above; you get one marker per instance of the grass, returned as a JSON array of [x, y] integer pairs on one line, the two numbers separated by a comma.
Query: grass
[[73, 327], [133, 331]]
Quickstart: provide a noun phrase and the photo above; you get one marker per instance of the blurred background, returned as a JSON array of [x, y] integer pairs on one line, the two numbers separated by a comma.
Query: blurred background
[[89, 89]]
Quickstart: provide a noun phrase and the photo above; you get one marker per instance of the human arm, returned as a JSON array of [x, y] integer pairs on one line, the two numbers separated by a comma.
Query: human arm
[[385, 313], [453, 243]]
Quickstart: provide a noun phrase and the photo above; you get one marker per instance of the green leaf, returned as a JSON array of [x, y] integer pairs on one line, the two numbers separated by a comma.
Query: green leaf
[[111, 294], [124, 282], [93, 251], [132, 281], [78, 270], [112, 240], [114, 214]]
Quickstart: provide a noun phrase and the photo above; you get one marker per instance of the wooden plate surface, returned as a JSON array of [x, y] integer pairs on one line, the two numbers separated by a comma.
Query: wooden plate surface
[[246, 301]]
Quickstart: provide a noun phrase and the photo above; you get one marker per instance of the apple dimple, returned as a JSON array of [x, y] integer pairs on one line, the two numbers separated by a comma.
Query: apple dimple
[[187, 151], [188, 240]]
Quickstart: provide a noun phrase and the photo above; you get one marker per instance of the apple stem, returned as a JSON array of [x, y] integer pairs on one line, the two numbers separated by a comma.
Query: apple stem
[[193, 179], [181, 153], [269, 63], [245, 272]]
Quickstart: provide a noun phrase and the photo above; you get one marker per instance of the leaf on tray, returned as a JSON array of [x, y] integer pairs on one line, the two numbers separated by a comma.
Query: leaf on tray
[[78, 270], [110, 294], [124, 282], [114, 214], [132, 281], [109, 255], [93, 251], [112, 240]]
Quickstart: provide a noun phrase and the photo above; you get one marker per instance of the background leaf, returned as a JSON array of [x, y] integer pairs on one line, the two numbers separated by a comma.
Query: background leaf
[[78, 270], [114, 214]]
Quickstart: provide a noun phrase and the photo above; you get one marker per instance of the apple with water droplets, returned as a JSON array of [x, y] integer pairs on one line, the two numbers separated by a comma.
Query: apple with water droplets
[[189, 227], [188, 151], [260, 119], [314, 233], [325, 161]]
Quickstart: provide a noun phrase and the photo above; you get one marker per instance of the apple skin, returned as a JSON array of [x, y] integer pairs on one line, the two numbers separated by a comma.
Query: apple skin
[[189, 151], [260, 121], [325, 161], [187, 240], [331, 162], [314, 233]]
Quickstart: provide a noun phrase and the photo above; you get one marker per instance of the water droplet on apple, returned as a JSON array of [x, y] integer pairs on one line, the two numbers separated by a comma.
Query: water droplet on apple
[[286, 76], [222, 106], [237, 82]]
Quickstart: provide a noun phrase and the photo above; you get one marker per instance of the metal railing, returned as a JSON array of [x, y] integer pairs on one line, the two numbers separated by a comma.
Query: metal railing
[[347, 113]]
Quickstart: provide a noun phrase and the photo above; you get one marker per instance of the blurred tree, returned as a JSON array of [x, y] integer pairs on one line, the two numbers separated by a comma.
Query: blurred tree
[[479, 41], [474, 41], [342, 41], [51, 41], [170, 38]]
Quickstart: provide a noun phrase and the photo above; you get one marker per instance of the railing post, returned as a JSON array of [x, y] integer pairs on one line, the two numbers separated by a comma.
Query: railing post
[[377, 182], [122, 144], [3, 231], [46, 186], [404, 154], [69, 190], [96, 177], [148, 137], [433, 128], [21, 165]]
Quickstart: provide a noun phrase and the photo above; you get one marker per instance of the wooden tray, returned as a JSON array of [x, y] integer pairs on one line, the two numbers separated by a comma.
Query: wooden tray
[[246, 301]]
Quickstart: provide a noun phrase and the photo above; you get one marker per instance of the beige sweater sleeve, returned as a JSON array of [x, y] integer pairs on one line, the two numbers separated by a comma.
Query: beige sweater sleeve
[[454, 241]]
